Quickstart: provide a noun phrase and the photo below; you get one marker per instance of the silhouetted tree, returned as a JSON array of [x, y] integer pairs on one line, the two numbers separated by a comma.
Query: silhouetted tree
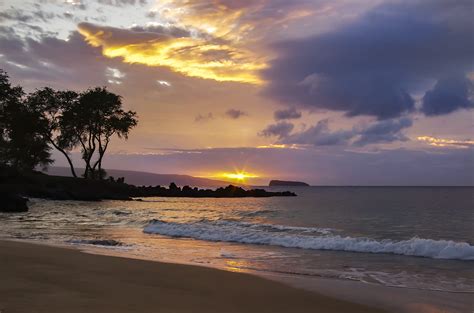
[[92, 121], [51, 104], [22, 145], [62, 119]]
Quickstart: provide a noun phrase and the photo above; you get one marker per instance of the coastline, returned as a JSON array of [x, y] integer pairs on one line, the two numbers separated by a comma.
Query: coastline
[[53, 279]]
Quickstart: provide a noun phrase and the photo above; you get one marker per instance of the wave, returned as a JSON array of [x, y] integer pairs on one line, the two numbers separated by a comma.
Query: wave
[[309, 238]]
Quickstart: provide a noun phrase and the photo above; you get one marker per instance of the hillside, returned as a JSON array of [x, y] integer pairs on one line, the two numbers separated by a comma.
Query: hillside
[[149, 179]]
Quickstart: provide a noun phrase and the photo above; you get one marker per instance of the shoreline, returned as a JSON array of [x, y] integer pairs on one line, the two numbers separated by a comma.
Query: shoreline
[[376, 298], [45, 278]]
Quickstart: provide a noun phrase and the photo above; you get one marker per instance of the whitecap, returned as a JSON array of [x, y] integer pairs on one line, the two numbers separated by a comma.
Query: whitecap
[[309, 238]]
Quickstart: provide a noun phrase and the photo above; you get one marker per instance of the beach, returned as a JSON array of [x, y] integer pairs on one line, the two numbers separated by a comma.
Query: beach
[[39, 278], [352, 250]]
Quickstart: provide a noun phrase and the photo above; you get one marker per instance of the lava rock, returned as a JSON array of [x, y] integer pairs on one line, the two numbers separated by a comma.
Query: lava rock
[[12, 203]]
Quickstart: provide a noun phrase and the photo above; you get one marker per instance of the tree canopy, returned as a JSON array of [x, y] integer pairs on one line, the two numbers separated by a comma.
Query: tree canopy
[[22, 145], [31, 125]]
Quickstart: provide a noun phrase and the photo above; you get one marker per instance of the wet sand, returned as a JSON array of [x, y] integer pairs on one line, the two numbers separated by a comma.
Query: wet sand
[[37, 278]]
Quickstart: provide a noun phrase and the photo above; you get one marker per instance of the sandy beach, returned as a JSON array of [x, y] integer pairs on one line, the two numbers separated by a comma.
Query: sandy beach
[[37, 278]]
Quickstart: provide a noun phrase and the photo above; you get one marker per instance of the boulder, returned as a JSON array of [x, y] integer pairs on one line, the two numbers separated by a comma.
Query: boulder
[[12, 203]]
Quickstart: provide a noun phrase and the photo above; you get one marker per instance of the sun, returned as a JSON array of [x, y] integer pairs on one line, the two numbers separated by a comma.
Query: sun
[[239, 176]]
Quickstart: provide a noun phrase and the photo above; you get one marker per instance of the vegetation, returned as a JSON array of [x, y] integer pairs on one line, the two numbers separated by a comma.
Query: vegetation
[[31, 125]]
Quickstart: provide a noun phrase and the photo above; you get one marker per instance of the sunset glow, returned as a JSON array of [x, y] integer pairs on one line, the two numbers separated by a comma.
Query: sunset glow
[[441, 142], [238, 176], [245, 92], [191, 56]]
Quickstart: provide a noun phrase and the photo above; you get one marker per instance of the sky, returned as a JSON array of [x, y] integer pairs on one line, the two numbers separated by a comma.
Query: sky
[[331, 92]]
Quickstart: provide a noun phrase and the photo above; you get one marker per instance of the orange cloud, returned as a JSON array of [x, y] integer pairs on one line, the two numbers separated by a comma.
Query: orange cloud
[[233, 20], [441, 142], [210, 39], [191, 56]]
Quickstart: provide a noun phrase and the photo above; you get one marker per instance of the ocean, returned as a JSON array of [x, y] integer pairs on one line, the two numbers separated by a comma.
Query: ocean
[[407, 237]]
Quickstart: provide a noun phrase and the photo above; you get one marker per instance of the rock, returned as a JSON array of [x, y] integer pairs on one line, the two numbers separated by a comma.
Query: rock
[[12, 203], [287, 183]]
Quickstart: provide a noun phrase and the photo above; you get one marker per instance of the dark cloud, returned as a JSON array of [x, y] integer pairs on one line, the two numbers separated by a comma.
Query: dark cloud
[[68, 15], [173, 31], [385, 131], [151, 14], [235, 114], [43, 16], [288, 114], [51, 60], [373, 65], [319, 135], [280, 130], [135, 35], [448, 95], [204, 118], [15, 15], [159, 29]]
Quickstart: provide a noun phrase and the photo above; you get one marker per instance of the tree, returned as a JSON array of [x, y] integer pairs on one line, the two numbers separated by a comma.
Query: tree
[[5, 95], [62, 119], [51, 104], [92, 121], [21, 145]]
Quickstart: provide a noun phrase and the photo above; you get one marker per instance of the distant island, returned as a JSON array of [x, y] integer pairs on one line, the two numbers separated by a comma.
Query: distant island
[[287, 183]]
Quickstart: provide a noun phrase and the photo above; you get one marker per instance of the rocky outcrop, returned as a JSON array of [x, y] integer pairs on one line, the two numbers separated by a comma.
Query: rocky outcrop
[[37, 185], [12, 203], [186, 191]]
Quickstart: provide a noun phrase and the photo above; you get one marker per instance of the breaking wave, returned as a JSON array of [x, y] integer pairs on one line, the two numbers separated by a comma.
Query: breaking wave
[[309, 238]]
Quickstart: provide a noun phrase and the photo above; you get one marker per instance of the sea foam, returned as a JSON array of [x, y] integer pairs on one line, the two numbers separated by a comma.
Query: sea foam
[[309, 238]]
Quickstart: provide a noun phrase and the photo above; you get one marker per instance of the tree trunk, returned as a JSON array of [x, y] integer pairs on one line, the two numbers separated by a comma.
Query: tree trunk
[[71, 166]]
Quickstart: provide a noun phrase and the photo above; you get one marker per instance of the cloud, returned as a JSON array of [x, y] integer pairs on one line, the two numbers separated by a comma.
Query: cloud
[[384, 132], [443, 142], [448, 95], [280, 130], [320, 134], [14, 15], [235, 114], [79, 4], [287, 114], [158, 29], [375, 64], [236, 20], [204, 118], [121, 3], [220, 39], [51, 60], [192, 56]]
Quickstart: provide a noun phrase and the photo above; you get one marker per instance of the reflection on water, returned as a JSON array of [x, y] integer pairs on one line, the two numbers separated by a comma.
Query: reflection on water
[[236, 266], [316, 216]]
